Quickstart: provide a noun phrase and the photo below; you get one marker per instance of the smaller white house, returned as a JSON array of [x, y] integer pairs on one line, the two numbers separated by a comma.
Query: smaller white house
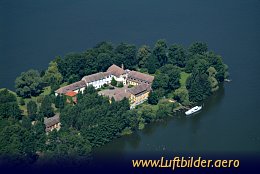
[[97, 80]]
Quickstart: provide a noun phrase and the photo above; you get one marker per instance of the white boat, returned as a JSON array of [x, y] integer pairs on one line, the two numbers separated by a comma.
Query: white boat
[[193, 110]]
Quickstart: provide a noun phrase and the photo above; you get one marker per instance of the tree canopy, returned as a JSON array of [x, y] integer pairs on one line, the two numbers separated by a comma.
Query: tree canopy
[[160, 51], [8, 105], [46, 107], [198, 86], [28, 84], [177, 55], [52, 72], [32, 109]]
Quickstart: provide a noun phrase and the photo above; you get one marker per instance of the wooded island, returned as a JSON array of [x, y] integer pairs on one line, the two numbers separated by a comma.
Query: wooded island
[[84, 100]]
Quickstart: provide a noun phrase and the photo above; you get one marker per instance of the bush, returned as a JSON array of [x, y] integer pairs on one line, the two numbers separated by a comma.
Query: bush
[[182, 96], [22, 102], [153, 98], [141, 125], [130, 86], [111, 87], [126, 131], [113, 82], [120, 85], [40, 99]]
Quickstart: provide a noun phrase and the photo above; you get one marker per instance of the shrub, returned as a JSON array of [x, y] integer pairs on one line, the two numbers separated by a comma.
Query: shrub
[[22, 102], [113, 82], [120, 85], [130, 86], [111, 87]]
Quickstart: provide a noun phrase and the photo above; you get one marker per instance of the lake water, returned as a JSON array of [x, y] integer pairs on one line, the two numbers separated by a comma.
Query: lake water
[[33, 32]]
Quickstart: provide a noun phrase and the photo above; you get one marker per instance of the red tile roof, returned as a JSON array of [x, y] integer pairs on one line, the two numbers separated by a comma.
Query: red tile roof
[[71, 94]]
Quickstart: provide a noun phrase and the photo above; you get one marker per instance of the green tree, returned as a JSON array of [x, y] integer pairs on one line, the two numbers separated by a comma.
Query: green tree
[[161, 81], [198, 48], [213, 81], [126, 54], [6, 96], [54, 85], [69, 143], [32, 109], [17, 145], [60, 101], [153, 98], [8, 105], [142, 55], [80, 95], [98, 127], [174, 79], [177, 55], [160, 51], [104, 47], [40, 137], [22, 102], [217, 62], [73, 78], [190, 65], [46, 108], [89, 90], [120, 85], [26, 122], [113, 82], [131, 119], [147, 112], [168, 68], [198, 86], [202, 65], [104, 60], [28, 84], [165, 109], [52, 74], [152, 64], [74, 66], [182, 96]]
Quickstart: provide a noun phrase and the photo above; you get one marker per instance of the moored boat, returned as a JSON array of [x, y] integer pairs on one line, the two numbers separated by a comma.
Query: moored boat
[[193, 110]]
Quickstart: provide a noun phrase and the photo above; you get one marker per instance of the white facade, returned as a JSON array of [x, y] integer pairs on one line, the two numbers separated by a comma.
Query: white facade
[[107, 80], [79, 90], [99, 83], [97, 80], [121, 78]]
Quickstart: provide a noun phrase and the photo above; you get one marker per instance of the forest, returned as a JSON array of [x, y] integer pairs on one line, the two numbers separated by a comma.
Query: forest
[[185, 75]]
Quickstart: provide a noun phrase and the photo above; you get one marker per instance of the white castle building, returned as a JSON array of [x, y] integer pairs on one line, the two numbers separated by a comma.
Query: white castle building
[[97, 80]]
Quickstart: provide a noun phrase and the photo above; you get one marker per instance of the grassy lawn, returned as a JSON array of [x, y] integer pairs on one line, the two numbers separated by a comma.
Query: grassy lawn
[[183, 79], [46, 91]]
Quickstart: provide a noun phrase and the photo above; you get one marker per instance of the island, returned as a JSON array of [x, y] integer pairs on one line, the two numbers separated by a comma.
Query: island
[[84, 100]]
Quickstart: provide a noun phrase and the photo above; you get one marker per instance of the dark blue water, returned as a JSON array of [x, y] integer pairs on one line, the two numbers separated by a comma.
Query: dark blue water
[[33, 32]]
